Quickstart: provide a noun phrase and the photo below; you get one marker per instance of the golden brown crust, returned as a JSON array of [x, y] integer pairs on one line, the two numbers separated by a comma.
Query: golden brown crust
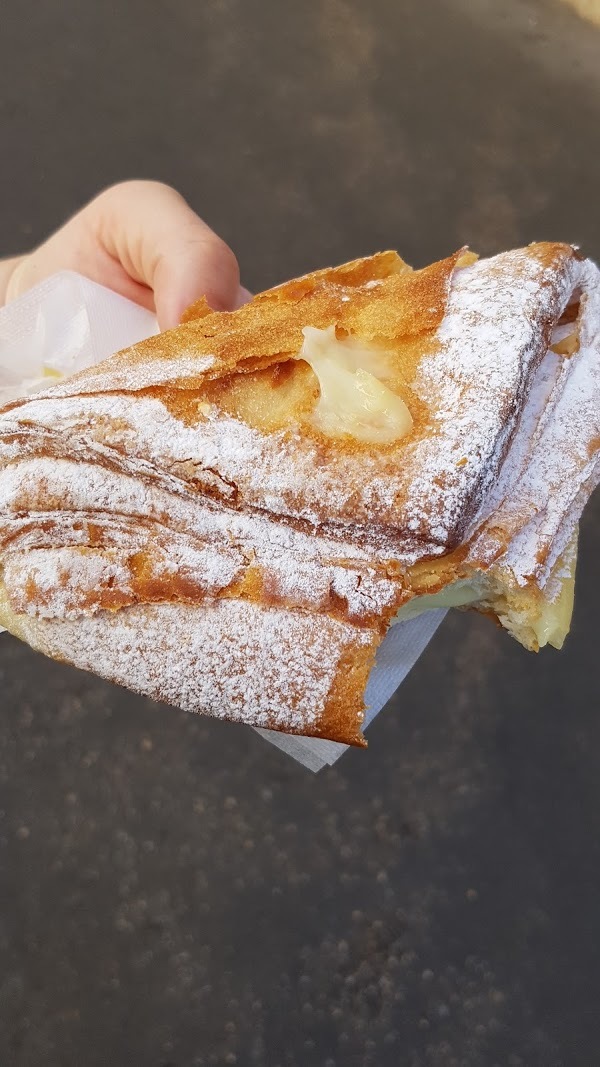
[[269, 328], [332, 552], [344, 711], [151, 642], [247, 352]]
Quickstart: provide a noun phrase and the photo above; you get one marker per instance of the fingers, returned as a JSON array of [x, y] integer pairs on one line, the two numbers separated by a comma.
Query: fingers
[[75, 247], [244, 296], [142, 240], [150, 230]]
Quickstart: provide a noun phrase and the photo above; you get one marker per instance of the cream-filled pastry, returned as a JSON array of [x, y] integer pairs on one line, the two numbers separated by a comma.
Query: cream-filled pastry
[[230, 515]]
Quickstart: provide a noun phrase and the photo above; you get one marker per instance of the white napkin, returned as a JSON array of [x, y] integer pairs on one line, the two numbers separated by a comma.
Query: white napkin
[[68, 323]]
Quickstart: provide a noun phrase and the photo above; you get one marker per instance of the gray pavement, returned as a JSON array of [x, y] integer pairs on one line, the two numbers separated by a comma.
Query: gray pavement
[[173, 891]]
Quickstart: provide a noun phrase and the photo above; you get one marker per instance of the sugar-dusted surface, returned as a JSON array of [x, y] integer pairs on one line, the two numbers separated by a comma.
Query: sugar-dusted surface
[[128, 377], [70, 582], [492, 338], [298, 568], [119, 510], [496, 325], [198, 658], [49, 577], [47, 476], [556, 460]]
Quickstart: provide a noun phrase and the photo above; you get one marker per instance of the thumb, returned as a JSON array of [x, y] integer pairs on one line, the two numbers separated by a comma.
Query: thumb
[[142, 240], [192, 265], [160, 242]]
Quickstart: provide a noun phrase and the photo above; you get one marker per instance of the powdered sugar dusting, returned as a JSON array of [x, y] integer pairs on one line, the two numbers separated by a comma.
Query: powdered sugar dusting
[[201, 538], [53, 575], [228, 658], [130, 377], [490, 341], [558, 465], [99, 484], [485, 356], [69, 582]]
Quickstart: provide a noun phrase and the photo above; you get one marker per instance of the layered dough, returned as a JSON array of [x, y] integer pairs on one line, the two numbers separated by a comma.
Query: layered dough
[[229, 516]]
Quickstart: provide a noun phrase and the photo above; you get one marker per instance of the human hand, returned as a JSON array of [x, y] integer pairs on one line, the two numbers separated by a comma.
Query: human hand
[[141, 239]]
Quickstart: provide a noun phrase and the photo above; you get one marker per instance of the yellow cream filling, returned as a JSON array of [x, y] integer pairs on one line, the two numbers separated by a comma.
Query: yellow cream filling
[[353, 398], [535, 622], [554, 621], [456, 595]]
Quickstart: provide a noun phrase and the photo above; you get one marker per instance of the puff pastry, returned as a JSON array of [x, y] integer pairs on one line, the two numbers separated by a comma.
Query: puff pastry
[[230, 515]]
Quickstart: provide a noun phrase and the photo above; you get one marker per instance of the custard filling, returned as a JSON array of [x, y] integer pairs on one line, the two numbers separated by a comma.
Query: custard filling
[[548, 624], [354, 400]]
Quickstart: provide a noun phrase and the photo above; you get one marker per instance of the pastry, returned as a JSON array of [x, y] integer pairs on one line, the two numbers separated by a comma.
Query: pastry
[[230, 515]]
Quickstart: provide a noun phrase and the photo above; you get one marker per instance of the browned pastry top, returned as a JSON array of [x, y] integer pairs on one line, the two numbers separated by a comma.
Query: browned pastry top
[[180, 508]]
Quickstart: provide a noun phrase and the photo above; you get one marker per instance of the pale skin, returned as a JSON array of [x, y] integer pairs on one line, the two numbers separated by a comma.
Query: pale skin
[[141, 239]]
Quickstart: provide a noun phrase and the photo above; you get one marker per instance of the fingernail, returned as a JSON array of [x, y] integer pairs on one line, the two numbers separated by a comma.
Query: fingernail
[[244, 296]]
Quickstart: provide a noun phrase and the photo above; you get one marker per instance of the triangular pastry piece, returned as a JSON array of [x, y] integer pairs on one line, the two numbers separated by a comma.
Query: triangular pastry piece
[[230, 515]]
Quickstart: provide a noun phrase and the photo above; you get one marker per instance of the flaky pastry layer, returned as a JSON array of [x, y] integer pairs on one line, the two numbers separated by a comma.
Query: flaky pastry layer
[[214, 510]]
